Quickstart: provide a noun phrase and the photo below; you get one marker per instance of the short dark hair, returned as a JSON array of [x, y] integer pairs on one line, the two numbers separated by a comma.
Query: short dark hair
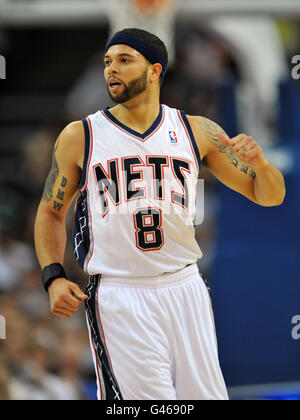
[[151, 39]]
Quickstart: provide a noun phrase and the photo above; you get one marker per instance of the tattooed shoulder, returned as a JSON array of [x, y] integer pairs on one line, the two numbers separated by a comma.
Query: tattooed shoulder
[[212, 131]]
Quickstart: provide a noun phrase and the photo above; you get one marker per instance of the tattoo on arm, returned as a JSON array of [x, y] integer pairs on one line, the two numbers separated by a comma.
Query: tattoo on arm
[[64, 182], [52, 177], [48, 194], [60, 195], [57, 206], [56, 144], [212, 131]]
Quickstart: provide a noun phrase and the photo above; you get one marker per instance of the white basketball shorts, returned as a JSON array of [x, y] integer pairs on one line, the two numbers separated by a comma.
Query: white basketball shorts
[[154, 338]]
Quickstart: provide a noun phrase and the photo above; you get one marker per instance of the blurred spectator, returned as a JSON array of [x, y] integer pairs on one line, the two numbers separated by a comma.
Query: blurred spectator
[[5, 379], [89, 93], [37, 158], [255, 42], [42, 355], [16, 257]]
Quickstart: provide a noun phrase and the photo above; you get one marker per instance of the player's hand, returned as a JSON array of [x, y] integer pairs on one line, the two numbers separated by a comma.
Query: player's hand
[[65, 297], [246, 149]]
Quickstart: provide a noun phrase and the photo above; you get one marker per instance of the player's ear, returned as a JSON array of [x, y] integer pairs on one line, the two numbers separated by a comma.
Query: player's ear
[[156, 70]]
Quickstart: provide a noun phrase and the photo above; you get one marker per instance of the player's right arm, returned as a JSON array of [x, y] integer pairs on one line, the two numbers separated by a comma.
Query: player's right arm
[[50, 232]]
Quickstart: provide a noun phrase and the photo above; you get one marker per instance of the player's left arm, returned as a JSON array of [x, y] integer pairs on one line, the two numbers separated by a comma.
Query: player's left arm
[[239, 163]]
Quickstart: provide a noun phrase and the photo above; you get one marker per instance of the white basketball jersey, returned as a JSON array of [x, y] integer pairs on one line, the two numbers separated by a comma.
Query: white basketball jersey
[[135, 215]]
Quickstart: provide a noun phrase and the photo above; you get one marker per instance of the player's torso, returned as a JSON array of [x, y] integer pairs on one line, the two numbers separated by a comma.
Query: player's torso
[[135, 215]]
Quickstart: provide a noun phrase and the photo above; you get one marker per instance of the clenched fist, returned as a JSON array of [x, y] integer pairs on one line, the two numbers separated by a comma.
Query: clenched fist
[[246, 149], [65, 297]]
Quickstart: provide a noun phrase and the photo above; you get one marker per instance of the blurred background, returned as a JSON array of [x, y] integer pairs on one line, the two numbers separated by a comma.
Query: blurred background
[[234, 62]]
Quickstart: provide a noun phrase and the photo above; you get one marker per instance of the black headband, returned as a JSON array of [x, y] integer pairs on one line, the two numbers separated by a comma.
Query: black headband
[[151, 53]]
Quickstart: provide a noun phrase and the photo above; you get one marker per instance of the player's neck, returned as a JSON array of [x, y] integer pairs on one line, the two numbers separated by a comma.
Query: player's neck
[[138, 113]]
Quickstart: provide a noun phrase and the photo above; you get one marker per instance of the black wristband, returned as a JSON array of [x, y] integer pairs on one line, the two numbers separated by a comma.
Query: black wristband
[[52, 272]]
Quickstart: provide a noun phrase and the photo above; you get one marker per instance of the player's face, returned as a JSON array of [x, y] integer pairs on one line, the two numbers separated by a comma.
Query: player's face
[[125, 72]]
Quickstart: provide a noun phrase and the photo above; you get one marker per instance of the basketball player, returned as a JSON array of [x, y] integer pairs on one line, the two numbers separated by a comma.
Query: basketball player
[[149, 313]]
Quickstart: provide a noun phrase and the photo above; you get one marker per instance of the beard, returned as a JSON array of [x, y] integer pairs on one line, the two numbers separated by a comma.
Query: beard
[[134, 88]]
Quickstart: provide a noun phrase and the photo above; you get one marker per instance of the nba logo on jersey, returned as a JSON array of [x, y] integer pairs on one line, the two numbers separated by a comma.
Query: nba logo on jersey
[[173, 137]]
